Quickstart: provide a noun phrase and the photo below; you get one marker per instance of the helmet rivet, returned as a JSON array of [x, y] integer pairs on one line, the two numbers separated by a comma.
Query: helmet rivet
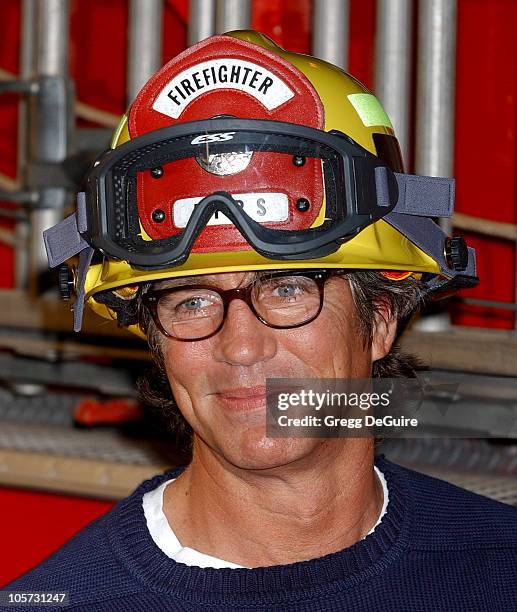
[[158, 215], [303, 204], [298, 161], [157, 172]]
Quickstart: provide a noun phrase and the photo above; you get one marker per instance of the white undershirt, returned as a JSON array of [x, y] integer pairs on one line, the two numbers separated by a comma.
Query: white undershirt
[[165, 538]]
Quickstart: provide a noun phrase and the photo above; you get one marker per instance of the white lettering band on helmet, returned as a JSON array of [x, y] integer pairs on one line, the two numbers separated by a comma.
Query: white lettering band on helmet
[[259, 206], [225, 73]]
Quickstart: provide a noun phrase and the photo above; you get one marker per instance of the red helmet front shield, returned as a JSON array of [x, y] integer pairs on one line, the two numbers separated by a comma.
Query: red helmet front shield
[[228, 76]]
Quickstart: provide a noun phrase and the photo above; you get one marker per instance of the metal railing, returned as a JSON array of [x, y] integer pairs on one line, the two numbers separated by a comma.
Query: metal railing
[[145, 43], [330, 27], [232, 15], [201, 23], [393, 55]]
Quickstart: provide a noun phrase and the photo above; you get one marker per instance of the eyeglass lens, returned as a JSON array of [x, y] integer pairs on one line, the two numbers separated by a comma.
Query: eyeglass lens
[[196, 312]]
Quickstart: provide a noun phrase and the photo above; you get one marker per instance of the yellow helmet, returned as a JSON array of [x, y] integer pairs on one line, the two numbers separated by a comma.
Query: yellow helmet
[[238, 155]]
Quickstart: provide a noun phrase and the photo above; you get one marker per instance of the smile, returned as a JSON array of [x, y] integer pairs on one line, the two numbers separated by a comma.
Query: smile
[[243, 399]]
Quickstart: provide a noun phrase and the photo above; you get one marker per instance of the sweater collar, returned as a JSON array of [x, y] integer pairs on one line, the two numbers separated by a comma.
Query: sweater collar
[[134, 546]]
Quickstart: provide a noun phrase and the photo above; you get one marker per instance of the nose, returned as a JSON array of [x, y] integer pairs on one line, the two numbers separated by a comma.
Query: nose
[[244, 340]]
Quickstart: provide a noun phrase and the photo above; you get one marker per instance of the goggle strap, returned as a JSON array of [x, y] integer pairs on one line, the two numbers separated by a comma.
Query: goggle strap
[[430, 238], [423, 196], [63, 240]]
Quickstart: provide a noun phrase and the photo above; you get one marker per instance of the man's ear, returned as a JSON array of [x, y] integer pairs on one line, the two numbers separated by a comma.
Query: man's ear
[[384, 330]]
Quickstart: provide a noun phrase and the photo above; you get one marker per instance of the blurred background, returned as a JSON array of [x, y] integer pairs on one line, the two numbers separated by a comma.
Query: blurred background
[[73, 438]]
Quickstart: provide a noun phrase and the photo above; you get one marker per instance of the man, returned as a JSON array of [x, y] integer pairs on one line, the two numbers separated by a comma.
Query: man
[[254, 223]]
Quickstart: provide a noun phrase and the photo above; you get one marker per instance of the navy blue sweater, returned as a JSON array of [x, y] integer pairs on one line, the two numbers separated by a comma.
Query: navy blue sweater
[[438, 548]]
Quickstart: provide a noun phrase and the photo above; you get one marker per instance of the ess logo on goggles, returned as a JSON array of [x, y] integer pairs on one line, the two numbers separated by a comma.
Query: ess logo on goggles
[[208, 138]]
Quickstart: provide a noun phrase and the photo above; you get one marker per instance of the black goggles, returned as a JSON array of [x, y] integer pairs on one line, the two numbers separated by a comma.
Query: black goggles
[[359, 189], [356, 189]]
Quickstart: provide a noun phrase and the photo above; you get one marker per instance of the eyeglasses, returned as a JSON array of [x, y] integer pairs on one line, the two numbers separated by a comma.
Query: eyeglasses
[[282, 300]]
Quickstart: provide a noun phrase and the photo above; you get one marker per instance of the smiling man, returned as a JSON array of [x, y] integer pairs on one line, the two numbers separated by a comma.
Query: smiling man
[[239, 478], [255, 232]]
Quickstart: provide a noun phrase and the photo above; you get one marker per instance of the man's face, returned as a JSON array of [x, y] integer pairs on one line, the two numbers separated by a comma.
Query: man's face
[[219, 383]]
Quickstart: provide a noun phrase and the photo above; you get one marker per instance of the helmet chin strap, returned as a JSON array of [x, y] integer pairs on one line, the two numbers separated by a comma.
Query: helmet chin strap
[[430, 238], [85, 259]]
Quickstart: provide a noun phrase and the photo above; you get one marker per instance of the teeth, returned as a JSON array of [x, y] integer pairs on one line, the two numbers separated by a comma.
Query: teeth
[[223, 164]]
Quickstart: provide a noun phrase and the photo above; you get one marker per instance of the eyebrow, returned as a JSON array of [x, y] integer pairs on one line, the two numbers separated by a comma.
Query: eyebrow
[[188, 281], [169, 283]]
